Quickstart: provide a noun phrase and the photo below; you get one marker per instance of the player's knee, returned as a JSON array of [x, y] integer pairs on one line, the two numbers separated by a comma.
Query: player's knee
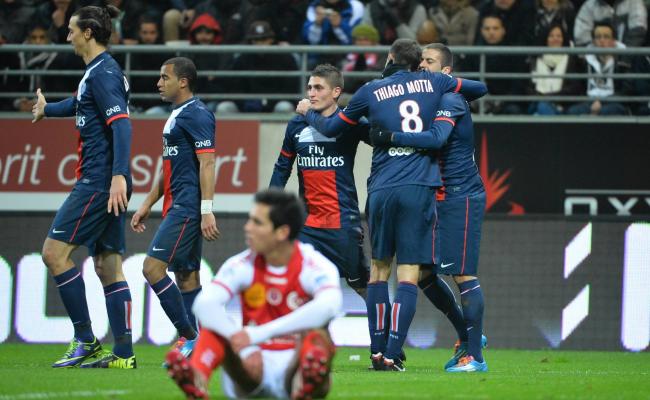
[[153, 270], [52, 257], [187, 280]]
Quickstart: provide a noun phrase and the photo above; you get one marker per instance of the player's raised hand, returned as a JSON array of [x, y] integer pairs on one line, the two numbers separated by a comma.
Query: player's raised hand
[[303, 106], [137, 221], [38, 110], [209, 227], [117, 200], [240, 341]]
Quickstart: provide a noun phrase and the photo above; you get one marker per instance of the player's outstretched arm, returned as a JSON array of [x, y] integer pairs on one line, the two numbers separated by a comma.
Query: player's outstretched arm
[[313, 314], [471, 89], [209, 227], [210, 309], [141, 215], [42, 109]]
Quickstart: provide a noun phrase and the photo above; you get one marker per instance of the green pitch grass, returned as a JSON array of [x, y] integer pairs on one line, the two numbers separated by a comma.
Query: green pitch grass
[[25, 373]]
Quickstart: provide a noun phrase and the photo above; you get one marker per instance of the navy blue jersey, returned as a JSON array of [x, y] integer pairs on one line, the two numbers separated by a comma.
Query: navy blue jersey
[[453, 132], [189, 130], [102, 98], [405, 101], [325, 171]]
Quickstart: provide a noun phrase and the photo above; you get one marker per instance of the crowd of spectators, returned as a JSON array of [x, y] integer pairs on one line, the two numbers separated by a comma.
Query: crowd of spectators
[[550, 23]]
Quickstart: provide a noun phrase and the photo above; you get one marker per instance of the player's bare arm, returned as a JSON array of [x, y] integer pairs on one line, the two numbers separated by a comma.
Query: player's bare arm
[[209, 227], [141, 215], [38, 110]]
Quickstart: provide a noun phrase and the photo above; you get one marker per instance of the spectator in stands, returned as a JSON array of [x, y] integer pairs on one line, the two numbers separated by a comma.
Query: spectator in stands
[[456, 21], [363, 35], [395, 19], [261, 34], [228, 14], [55, 14], [601, 87], [148, 34], [630, 20], [178, 19], [557, 65], [553, 12], [14, 19], [125, 26], [518, 18], [493, 33], [427, 33], [33, 60], [286, 17], [331, 22]]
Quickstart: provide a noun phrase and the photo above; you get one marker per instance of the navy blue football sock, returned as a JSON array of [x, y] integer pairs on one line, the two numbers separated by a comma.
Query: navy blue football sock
[[378, 306], [441, 296], [402, 314], [471, 298], [73, 293], [118, 306], [171, 301], [188, 300]]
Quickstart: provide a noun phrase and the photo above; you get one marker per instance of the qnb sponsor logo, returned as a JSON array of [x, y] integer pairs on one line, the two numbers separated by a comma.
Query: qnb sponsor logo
[[80, 121], [113, 110], [443, 113], [202, 143], [170, 151], [400, 151], [320, 161]]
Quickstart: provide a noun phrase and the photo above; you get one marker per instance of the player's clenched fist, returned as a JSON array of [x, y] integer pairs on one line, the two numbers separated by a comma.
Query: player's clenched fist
[[38, 110], [303, 106]]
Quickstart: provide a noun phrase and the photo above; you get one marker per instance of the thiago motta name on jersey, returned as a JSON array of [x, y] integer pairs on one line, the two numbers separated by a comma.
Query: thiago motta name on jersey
[[317, 158], [415, 86]]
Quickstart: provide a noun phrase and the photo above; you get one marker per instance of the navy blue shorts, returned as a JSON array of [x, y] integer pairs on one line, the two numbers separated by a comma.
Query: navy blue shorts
[[401, 221], [459, 232], [83, 220], [343, 247], [178, 242]]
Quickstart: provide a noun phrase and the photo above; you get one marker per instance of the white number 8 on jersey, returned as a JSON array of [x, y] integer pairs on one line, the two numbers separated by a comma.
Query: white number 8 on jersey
[[410, 112]]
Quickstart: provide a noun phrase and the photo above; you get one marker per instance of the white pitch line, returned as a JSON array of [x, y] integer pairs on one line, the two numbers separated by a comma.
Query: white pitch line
[[58, 395]]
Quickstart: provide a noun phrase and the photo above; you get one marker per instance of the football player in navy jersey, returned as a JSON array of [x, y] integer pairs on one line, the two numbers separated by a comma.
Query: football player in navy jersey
[[401, 187], [93, 215], [461, 206], [187, 184], [326, 180]]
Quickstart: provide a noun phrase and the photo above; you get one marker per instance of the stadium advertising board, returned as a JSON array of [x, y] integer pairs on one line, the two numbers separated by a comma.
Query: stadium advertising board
[[570, 169], [570, 284], [42, 158]]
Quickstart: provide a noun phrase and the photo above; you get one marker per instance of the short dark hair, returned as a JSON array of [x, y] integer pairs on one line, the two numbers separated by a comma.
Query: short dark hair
[[603, 23], [184, 68], [330, 73], [285, 209], [98, 20], [446, 58], [406, 52]]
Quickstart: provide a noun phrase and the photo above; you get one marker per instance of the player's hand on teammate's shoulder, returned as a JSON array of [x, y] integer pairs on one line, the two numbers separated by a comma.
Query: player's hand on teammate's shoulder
[[117, 199], [303, 106], [38, 110], [209, 227], [380, 137]]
